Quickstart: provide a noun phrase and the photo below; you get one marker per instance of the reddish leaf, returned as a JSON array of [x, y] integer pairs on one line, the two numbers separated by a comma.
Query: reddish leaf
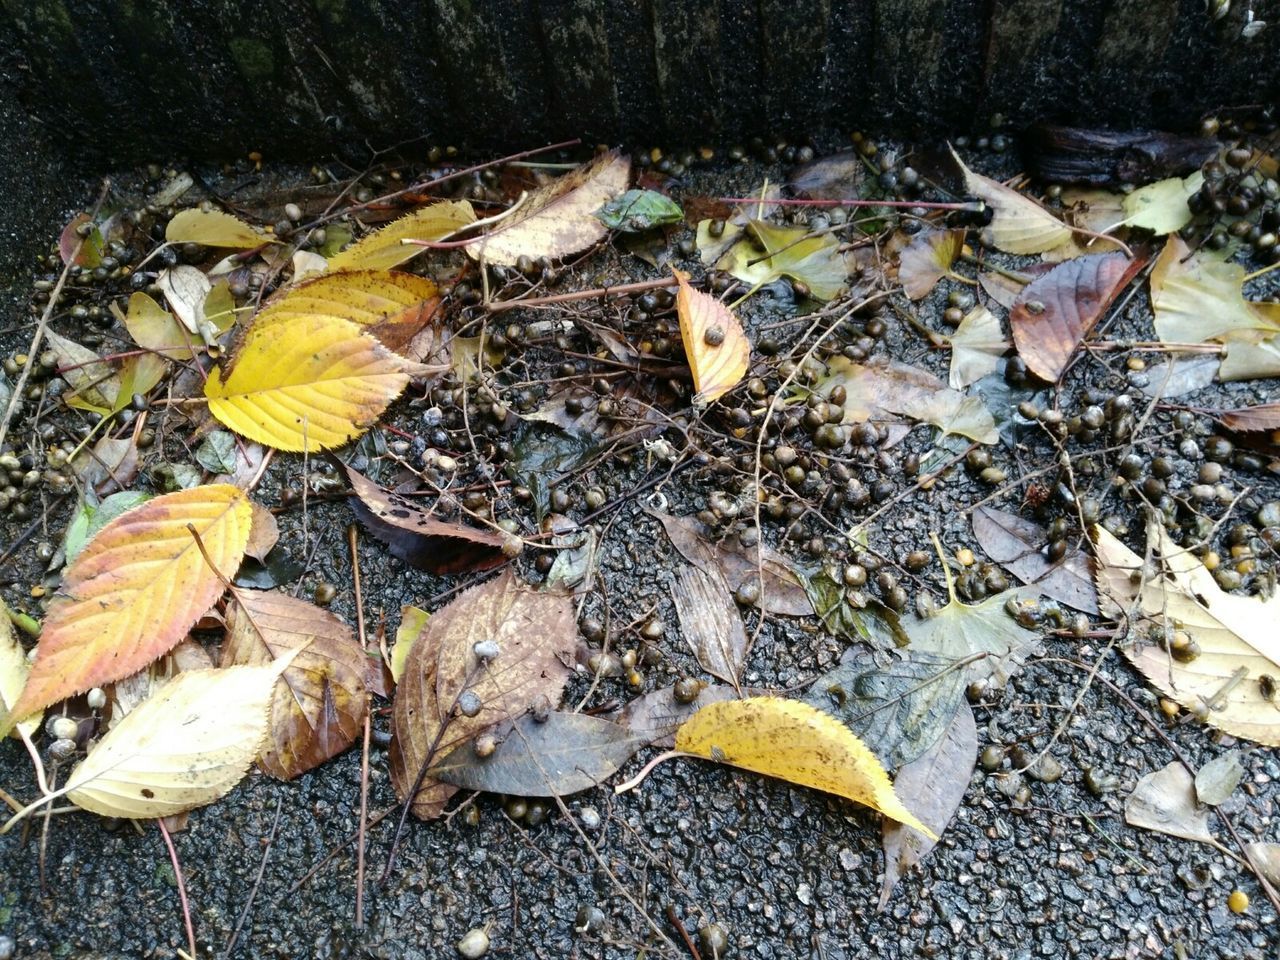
[[90, 254], [1264, 416], [419, 539], [1055, 312]]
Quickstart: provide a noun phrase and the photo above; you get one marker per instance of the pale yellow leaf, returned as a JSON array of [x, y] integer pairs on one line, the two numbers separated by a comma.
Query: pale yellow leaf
[[1248, 358], [412, 622], [1018, 224], [976, 347], [95, 385], [382, 249], [927, 259], [771, 251], [14, 668], [213, 228], [1161, 207], [1198, 298], [796, 742], [714, 343]]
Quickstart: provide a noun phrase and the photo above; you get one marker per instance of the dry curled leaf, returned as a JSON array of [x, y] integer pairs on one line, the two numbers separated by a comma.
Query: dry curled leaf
[[383, 249], [927, 259], [1018, 224], [795, 742], [133, 592], [213, 228], [714, 343], [559, 219], [1263, 416], [710, 622], [1165, 801]]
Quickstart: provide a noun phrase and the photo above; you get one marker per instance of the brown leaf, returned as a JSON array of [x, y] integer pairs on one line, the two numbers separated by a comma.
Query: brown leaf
[[419, 539], [1264, 416], [927, 259], [319, 702], [932, 786], [714, 344], [835, 177], [710, 621], [1004, 289], [781, 592], [1015, 543], [1054, 313], [534, 635], [657, 715], [264, 532]]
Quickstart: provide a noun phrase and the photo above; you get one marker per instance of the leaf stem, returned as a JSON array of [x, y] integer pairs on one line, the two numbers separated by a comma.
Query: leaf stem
[[946, 568], [968, 206], [648, 768], [1261, 273]]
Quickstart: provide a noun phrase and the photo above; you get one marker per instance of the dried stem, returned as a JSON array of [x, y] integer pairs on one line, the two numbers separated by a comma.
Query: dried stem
[[182, 887], [353, 533]]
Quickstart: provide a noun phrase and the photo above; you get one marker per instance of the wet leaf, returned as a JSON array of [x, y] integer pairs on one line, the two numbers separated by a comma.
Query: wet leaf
[[186, 746], [1250, 357], [1004, 288], [186, 290], [155, 328], [91, 250], [315, 387], [412, 620], [1179, 376], [534, 633], [574, 567], [781, 591], [126, 695], [540, 455], [838, 176], [559, 219], [927, 259], [1225, 684], [900, 710], [1165, 801], [217, 452], [319, 702], [110, 463], [1161, 207], [1218, 779], [135, 590], [1263, 416], [769, 252], [1016, 544], [714, 343], [1197, 298], [1018, 224], [976, 347], [1055, 312], [846, 611], [213, 228], [796, 742], [91, 518], [382, 249], [276, 570], [1265, 858], [710, 622], [935, 784], [93, 381], [655, 716], [14, 670], [563, 754], [639, 210], [418, 538]]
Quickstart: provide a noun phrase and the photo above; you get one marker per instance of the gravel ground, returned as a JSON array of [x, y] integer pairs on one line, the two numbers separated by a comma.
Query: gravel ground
[[787, 872]]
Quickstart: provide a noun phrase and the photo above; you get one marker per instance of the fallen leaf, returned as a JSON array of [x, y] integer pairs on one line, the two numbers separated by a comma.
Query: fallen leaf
[[1161, 207], [1016, 544], [935, 784], [1018, 224], [155, 328], [638, 210], [412, 620], [927, 259], [1218, 779], [838, 176], [1004, 287], [534, 635], [767, 252], [127, 694], [94, 383], [1178, 376], [846, 610], [186, 290], [93, 248], [1055, 312], [418, 538], [976, 347], [796, 742], [714, 343], [654, 717], [781, 591], [1165, 801], [1263, 416], [540, 455], [382, 249], [1239, 653], [91, 518], [213, 228], [109, 463], [900, 710], [1197, 298], [574, 567], [1265, 858], [186, 746], [135, 590], [320, 700], [562, 754], [1250, 356], [217, 452], [14, 669], [264, 533], [312, 384], [710, 622], [559, 219]]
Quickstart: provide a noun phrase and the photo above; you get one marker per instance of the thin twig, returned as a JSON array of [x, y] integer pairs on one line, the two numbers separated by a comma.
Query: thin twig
[[617, 290], [353, 533], [182, 887], [674, 918], [257, 882]]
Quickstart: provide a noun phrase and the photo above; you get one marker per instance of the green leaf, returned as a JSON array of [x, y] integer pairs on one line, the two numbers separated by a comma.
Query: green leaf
[[846, 610], [217, 453], [638, 210], [91, 518], [775, 251]]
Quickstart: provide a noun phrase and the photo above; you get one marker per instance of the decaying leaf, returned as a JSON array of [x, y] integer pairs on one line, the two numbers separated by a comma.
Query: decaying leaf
[[186, 290], [95, 386], [1197, 298], [1225, 677], [383, 250], [1018, 224], [1165, 801], [213, 228], [1161, 207], [561, 754], [935, 784], [1055, 312], [1265, 858], [710, 622], [559, 219], [796, 742], [14, 669], [781, 591], [639, 210], [319, 702], [714, 344], [1017, 544], [1264, 416], [311, 384], [1005, 286], [927, 259], [1250, 356], [654, 717], [531, 636], [766, 252], [91, 250], [134, 590], [976, 347], [900, 710], [184, 747], [837, 176], [1218, 779], [418, 538]]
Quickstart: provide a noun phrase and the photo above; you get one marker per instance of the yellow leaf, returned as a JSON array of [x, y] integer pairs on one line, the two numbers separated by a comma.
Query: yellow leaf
[[976, 347], [714, 344], [374, 299], [133, 592], [927, 259], [412, 622], [795, 742], [1161, 207], [558, 219], [774, 251], [1197, 298], [14, 668], [312, 383], [1018, 224], [213, 228], [185, 746], [382, 249], [96, 385]]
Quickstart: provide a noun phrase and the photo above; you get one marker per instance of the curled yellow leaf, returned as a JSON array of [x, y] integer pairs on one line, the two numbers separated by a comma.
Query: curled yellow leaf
[[714, 343], [796, 742], [383, 249], [213, 228], [1018, 224]]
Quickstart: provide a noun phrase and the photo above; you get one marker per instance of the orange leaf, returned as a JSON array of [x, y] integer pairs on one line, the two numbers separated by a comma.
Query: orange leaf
[[714, 344], [133, 592]]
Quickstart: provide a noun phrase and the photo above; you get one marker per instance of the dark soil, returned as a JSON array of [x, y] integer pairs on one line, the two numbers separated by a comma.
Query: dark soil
[[788, 872]]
